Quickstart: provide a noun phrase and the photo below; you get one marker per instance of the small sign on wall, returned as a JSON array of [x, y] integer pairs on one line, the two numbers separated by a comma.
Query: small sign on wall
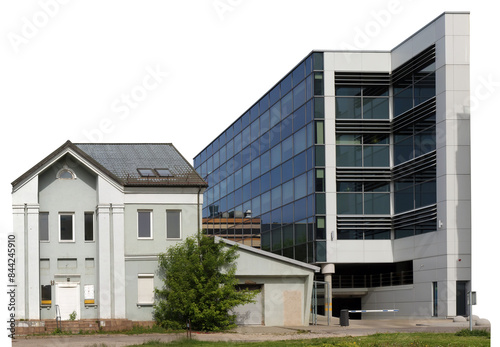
[[88, 291]]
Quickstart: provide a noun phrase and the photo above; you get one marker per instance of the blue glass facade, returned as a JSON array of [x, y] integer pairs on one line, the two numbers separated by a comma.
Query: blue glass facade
[[266, 172], [265, 175]]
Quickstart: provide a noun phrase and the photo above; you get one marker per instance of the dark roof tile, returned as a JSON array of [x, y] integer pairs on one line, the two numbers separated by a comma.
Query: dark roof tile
[[121, 160]]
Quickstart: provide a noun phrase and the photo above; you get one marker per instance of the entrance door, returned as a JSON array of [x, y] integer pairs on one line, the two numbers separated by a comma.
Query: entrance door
[[68, 299], [461, 298]]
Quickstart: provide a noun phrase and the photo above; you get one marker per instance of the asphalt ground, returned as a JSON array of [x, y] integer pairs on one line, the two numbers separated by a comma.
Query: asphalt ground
[[257, 333]]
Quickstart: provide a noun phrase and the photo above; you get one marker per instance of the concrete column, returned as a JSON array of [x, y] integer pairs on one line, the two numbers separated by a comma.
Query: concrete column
[[327, 270]]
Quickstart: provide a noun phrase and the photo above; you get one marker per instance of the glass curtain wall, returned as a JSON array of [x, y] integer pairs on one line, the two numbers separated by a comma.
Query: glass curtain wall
[[415, 141], [265, 172]]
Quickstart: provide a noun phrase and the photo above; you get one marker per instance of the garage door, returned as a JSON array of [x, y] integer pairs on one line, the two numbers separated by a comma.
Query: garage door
[[68, 299], [253, 313]]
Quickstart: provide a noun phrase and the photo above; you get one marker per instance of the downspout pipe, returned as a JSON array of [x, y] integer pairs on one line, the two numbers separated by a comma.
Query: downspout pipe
[[26, 264], [198, 209]]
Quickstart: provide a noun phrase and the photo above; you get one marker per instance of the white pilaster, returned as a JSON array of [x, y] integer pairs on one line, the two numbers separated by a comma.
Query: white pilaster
[[33, 261], [20, 264], [118, 273], [103, 261]]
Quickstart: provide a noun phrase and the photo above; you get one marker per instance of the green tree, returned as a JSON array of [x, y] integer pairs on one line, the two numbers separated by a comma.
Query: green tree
[[199, 285]]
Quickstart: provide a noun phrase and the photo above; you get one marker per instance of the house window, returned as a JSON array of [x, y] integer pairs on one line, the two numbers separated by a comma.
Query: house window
[[145, 289], [173, 224], [46, 294], [66, 227], [89, 226], [144, 224], [43, 226], [66, 174]]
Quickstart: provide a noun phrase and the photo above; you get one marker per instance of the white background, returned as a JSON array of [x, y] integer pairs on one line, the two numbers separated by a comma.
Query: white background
[[65, 67]]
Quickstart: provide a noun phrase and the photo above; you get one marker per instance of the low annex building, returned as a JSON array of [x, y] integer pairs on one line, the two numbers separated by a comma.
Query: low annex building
[[285, 286]]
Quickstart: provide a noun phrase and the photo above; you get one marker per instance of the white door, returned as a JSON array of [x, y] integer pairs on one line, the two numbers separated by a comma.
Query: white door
[[68, 299]]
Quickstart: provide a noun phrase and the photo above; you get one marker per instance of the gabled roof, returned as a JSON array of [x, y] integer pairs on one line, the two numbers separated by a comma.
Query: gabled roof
[[120, 162], [268, 254]]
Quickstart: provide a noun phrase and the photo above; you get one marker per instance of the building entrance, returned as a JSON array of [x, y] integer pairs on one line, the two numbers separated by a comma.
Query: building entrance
[[461, 298], [68, 299]]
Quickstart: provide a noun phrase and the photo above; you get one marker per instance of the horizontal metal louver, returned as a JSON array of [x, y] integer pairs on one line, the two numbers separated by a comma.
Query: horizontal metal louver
[[363, 174], [421, 215], [415, 114], [365, 126], [408, 168], [362, 78], [421, 60], [364, 223]]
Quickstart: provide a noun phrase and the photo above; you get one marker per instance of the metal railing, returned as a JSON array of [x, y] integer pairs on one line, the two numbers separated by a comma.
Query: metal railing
[[58, 317], [373, 280]]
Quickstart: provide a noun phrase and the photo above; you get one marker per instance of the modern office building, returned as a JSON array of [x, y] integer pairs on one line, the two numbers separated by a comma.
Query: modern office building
[[359, 162]]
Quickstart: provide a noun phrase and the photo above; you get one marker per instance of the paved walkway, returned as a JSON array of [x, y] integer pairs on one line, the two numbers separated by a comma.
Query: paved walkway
[[258, 333]]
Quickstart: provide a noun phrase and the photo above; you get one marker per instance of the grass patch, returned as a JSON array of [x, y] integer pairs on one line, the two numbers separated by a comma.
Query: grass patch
[[467, 332], [379, 340], [155, 329], [58, 331], [136, 330]]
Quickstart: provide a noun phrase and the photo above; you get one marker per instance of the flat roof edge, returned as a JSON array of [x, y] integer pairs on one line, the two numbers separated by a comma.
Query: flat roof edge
[[428, 24]]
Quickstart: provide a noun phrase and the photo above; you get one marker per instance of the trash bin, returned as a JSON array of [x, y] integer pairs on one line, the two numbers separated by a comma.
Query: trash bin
[[344, 318]]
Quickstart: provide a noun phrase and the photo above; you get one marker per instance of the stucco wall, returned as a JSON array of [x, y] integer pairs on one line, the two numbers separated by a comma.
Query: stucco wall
[[133, 267], [159, 243], [73, 196]]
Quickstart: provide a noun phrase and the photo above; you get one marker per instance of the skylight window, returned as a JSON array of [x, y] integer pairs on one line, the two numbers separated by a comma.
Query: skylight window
[[160, 173], [146, 172], [163, 172]]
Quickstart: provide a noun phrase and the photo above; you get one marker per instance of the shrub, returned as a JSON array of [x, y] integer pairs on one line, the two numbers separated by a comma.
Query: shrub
[[199, 285]]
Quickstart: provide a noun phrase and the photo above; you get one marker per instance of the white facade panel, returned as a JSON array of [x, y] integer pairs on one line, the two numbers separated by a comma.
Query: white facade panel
[[348, 61], [423, 39], [376, 62], [165, 198]]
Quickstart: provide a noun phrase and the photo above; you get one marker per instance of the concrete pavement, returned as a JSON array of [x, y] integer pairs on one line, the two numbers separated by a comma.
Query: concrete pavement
[[259, 333]]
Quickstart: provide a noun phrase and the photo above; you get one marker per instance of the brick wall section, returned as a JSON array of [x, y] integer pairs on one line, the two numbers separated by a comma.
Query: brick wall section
[[84, 325]]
